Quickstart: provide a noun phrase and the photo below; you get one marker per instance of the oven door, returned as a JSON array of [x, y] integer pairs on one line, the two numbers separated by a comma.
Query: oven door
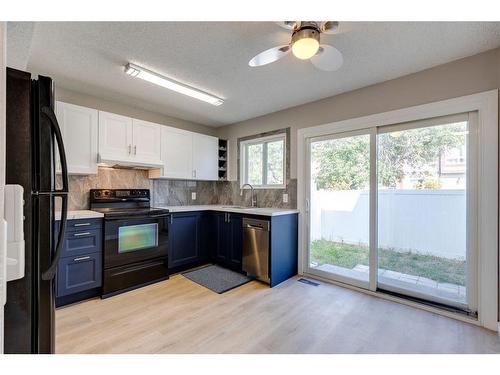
[[134, 239]]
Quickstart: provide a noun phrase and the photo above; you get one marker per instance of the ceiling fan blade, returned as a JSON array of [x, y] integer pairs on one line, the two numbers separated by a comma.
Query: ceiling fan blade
[[329, 27], [270, 55], [289, 25], [328, 58]]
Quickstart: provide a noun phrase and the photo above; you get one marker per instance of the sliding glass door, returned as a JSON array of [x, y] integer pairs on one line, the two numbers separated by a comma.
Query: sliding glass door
[[422, 201], [339, 207], [392, 208]]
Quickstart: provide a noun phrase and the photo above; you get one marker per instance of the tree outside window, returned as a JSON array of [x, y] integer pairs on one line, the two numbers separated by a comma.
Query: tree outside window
[[263, 161]]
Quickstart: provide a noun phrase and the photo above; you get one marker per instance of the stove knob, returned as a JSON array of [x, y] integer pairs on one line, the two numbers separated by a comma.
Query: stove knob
[[97, 194]]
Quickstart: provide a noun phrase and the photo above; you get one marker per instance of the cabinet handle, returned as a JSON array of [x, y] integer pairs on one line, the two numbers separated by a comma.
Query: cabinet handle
[[80, 259], [135, 149], [228, 218], [171, 219], [129, 149], [81, 224], [82, 234]]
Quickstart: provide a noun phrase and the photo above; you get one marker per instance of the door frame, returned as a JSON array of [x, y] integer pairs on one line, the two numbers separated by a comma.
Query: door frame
[[486, 105], [3, 223]]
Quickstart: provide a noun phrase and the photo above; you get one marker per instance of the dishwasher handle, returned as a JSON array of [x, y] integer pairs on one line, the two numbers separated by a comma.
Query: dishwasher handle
[[258, 227], [256, 224]]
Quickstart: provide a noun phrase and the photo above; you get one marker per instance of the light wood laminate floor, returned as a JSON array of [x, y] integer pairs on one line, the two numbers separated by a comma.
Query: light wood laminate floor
[[179, 316]]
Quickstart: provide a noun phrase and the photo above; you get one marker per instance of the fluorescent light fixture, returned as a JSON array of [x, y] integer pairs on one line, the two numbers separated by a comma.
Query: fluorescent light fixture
[[147, 75]]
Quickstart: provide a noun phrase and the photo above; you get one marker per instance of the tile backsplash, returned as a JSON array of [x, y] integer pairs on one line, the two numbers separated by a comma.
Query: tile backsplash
[[229, 193], [106, 178], [178, 192], [175, 192]]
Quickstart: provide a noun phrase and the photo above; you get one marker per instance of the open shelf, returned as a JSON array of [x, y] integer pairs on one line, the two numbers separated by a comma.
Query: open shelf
[[222, 159]]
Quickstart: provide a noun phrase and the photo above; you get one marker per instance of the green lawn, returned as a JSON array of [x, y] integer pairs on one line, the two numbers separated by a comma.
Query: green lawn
[[348, 256]]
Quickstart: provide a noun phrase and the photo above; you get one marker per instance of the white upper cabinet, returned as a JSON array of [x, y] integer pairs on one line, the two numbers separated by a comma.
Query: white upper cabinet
[[177, 153], [147, 142], [205, 157], [115, 137], [187, 155], [129, 142], [79, 130]]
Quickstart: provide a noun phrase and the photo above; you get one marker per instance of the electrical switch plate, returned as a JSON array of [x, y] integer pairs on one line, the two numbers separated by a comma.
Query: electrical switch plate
[[193, 196], [285, 198]]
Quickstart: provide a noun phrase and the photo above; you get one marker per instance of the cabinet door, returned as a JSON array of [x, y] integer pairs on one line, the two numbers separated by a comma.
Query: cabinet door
[[115, 137], [177, 153], [79, 130], [184, 231], [221, 240], [205, 157], [147, 142], [76, 274], [235, 241], [207, 235]]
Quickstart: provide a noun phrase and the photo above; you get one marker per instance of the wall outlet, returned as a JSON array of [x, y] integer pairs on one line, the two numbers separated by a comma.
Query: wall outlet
[[285, 198], [193, 195]]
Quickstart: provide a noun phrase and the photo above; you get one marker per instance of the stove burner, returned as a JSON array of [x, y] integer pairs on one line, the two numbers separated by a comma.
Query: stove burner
[[123, 202]]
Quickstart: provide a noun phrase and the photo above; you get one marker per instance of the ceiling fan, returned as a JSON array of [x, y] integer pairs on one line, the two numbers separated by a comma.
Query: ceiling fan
[[305, 45]]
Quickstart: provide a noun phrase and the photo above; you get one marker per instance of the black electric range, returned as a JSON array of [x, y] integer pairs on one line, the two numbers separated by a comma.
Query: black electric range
[[135, 239]]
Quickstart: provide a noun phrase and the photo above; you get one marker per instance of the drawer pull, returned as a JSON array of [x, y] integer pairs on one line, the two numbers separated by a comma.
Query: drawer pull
[[82, 234], [80, 259], [82, 224]]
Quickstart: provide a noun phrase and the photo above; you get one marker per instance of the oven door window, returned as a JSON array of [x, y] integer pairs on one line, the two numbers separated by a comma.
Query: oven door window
[[137, 237]]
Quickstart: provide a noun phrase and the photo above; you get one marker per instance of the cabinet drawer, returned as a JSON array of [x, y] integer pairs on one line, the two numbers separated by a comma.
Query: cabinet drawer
[[77, 274], [82, 224], [82, 242]]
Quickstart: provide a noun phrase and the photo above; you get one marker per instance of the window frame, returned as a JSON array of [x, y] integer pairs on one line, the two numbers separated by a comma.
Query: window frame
[[244, 160]]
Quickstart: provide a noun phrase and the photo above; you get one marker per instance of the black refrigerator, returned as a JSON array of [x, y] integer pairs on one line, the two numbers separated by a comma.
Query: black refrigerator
[[32, 139]]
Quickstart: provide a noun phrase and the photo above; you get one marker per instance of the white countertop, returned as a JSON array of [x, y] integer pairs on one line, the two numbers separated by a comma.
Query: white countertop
[[80, 214], [263, 211]]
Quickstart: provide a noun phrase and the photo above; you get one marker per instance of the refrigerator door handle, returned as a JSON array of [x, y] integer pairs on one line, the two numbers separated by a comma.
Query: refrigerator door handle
[[47, 111], [63, 193], [51, 271]]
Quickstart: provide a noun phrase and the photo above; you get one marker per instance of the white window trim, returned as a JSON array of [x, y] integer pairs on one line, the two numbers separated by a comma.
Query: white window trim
[[243, 159], [486, 104]]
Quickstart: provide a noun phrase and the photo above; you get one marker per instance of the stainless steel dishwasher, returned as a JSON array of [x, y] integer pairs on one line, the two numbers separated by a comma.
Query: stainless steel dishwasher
[[256, 248]]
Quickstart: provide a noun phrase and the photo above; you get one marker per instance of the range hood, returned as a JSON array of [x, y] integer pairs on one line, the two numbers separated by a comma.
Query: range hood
[[127, 164]]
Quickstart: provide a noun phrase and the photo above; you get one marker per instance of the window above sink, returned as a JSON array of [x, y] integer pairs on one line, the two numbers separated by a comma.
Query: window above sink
[[263, 162]]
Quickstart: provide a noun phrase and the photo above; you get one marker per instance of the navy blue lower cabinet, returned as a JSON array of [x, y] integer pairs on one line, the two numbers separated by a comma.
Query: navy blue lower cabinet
[[184, 234], [77, 274], [207, 236], [229, 240], [220, 254], [283, 249], [235, 251], [197, 238]]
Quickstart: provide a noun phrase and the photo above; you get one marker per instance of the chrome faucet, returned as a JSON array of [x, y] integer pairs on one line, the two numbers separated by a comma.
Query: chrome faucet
[[254, 201]]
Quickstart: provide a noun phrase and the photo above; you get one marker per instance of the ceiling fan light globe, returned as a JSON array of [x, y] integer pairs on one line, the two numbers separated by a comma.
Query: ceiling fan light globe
[[305, 48]]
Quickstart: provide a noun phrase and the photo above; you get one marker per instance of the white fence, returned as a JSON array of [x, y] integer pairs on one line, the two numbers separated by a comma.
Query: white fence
[[423, 221]]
